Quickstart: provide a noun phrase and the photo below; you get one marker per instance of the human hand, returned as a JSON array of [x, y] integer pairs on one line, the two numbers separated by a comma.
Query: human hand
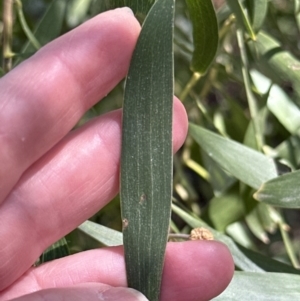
[[51, 179]]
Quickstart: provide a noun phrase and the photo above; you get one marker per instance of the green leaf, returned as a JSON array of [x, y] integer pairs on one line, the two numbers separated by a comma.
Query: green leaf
[[226, 209], [289, 150], [266, 213], [242, 19], [205, 33], [219, 180], [146, 159], [252, 102], [283, 191], [275, 62], [49, 27], [262, 286], [284, 109], [296, 12], [240, 260], [139, 7], [250, 138], [77, 11], [268, 264], [257, 10], [255, 225], [261, 82], [104, 235], [57, 250], [237, 123], [249, 166]]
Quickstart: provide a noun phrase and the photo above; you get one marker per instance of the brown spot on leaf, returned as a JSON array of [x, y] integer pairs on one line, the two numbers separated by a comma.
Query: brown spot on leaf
[[124, 223], [142, 199]]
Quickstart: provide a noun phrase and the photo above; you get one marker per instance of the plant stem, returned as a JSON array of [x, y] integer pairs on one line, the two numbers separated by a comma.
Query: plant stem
[[196, 167], [192, 82], [179, 236], [288, 245], [25, 26], [7, 35], [250, 97], [227, 24]]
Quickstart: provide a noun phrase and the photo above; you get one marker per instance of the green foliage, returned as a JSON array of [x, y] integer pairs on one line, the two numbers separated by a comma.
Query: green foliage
[[282, 191], [246, 164], [244, 131], [146, 160], [257, 286], [205, 33], [139, 7], [257, 10], [104, 235]]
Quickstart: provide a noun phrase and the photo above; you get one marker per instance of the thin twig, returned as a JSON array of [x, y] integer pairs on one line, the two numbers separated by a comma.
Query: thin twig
[[7, 35], [179, 236], [25, 26]]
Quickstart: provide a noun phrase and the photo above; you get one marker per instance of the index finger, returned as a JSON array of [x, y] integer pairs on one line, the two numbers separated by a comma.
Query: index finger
[[43, 98]]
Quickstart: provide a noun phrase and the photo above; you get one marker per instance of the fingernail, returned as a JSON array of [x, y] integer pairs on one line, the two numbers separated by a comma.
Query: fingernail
[[127, 10], [120, 293]]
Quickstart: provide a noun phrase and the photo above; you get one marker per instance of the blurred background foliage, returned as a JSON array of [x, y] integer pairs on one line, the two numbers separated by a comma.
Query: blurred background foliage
[[218, 101]]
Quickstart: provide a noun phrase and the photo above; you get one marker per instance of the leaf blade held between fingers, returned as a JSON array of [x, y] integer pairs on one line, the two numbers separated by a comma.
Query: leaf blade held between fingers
[[146, 159], [205, 33]]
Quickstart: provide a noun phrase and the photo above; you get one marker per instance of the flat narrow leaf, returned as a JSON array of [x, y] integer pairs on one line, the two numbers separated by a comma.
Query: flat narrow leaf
[[283, 191], [266, 216], [284, 109], [267, 263], [219, 179], [261, 82], [242, 18], [146, 159], [289, 150], [255, 225], [240, 260], [49, 27], [250, 139], [297, 12], [226, 209], [262, 286], [240, 235], [104, 235], [77, 12], [249, 166], [276, 63], [257, 10], [139, 7], [252, 102], [57, 250], [205, 33]]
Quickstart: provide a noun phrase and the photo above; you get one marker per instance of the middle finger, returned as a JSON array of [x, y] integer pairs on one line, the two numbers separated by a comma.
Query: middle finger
[[64, 188]]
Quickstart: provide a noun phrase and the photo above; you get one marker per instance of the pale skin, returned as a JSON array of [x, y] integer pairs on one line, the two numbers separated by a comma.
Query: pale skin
[[51, 179]]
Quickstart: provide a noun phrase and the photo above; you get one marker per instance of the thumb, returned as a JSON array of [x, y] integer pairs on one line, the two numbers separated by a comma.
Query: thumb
[[83, 292]]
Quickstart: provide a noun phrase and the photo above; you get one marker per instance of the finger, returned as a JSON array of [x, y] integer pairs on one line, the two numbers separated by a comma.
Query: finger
[[64, 188], [90, 291], [193, 271], [43, 98]]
